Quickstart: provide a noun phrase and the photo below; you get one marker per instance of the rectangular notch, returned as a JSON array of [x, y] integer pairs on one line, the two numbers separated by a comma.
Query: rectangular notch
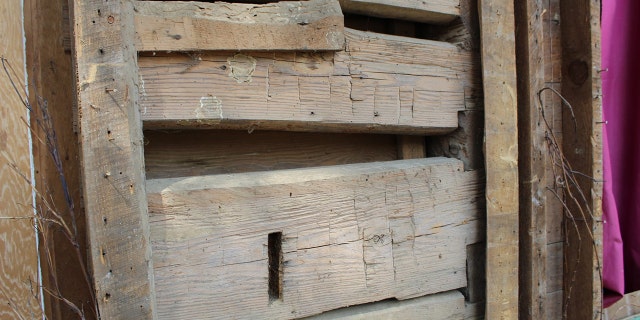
[[275, 266]]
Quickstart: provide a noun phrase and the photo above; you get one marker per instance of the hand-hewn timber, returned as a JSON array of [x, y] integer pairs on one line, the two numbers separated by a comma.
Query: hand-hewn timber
[[351, 234], [583, 151], [435, 11], [112, 158], [501, 150], [441, 306], [379, 84], [312, 25]]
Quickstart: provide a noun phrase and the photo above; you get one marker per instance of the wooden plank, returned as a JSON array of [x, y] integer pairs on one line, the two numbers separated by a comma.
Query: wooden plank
[[112, 158], [533, 160], [441, 306], [501, 145], [19, 274], [554, 267], [582, 147], [312, 25], [411, 147], [58, 179], [438, 11], [202, 152], [351, 234], [351, 91]]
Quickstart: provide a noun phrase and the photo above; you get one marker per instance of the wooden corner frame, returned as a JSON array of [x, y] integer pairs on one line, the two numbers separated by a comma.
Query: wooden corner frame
[[112, 158]]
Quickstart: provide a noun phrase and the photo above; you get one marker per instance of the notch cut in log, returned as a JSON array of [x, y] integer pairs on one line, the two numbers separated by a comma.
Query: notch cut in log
[[350, 234], [313, 25], [377, 85], [435, 11]]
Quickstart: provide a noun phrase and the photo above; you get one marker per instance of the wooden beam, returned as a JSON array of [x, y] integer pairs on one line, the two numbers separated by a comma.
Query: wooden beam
[[440, 306], [381, 83], [501, 145], [312, 25], [112, 158], [56, 158], [350, 234], [582, 148], [437, 12], [533, 160]]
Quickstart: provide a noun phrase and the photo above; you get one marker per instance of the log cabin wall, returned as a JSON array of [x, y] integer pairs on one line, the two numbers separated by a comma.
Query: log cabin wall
[[249, 146]]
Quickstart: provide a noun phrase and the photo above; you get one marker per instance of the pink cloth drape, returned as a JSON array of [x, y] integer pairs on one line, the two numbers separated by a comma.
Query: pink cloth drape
[[621, 147]]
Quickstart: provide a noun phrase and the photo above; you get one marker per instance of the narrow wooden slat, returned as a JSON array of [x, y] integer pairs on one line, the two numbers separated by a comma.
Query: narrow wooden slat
[[204, 152], [441, 306], [435, 11], [193, 26], [351, 234], [582, 147], [352, 91], [533, 160], [112, 158], [501, 145]]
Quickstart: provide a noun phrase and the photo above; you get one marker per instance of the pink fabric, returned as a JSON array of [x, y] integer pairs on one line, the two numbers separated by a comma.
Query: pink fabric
[[621, 152]]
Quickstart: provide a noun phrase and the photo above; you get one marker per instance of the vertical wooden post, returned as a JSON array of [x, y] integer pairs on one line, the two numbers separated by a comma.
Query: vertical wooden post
[[112, 157], [580, 29], [532, 160], [501, 145]]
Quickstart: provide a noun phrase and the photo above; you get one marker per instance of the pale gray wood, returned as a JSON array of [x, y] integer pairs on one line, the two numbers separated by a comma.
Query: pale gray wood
[[193, 26], [441, 306], [381, 83], [352, 234]]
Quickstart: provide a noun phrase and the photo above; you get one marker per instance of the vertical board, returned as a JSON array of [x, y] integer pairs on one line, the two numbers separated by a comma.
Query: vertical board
[[19, 293], [532, 159], [582, 148], [501, 145], [58, 179], [112, 158]]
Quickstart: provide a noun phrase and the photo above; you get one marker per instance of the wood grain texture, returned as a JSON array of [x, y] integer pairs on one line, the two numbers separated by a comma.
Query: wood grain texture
[[534, 160], [582, 147], [51, 80], [440, 306], [435, 11], [202, 152], [352, 234], [553, 106], [312, 25], [411, 147], [501, 145], [19, 293], [112, 158], [376, 85]]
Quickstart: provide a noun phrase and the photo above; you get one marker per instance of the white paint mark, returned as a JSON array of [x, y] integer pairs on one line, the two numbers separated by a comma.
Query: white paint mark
[[241, 67], [210, 108]]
